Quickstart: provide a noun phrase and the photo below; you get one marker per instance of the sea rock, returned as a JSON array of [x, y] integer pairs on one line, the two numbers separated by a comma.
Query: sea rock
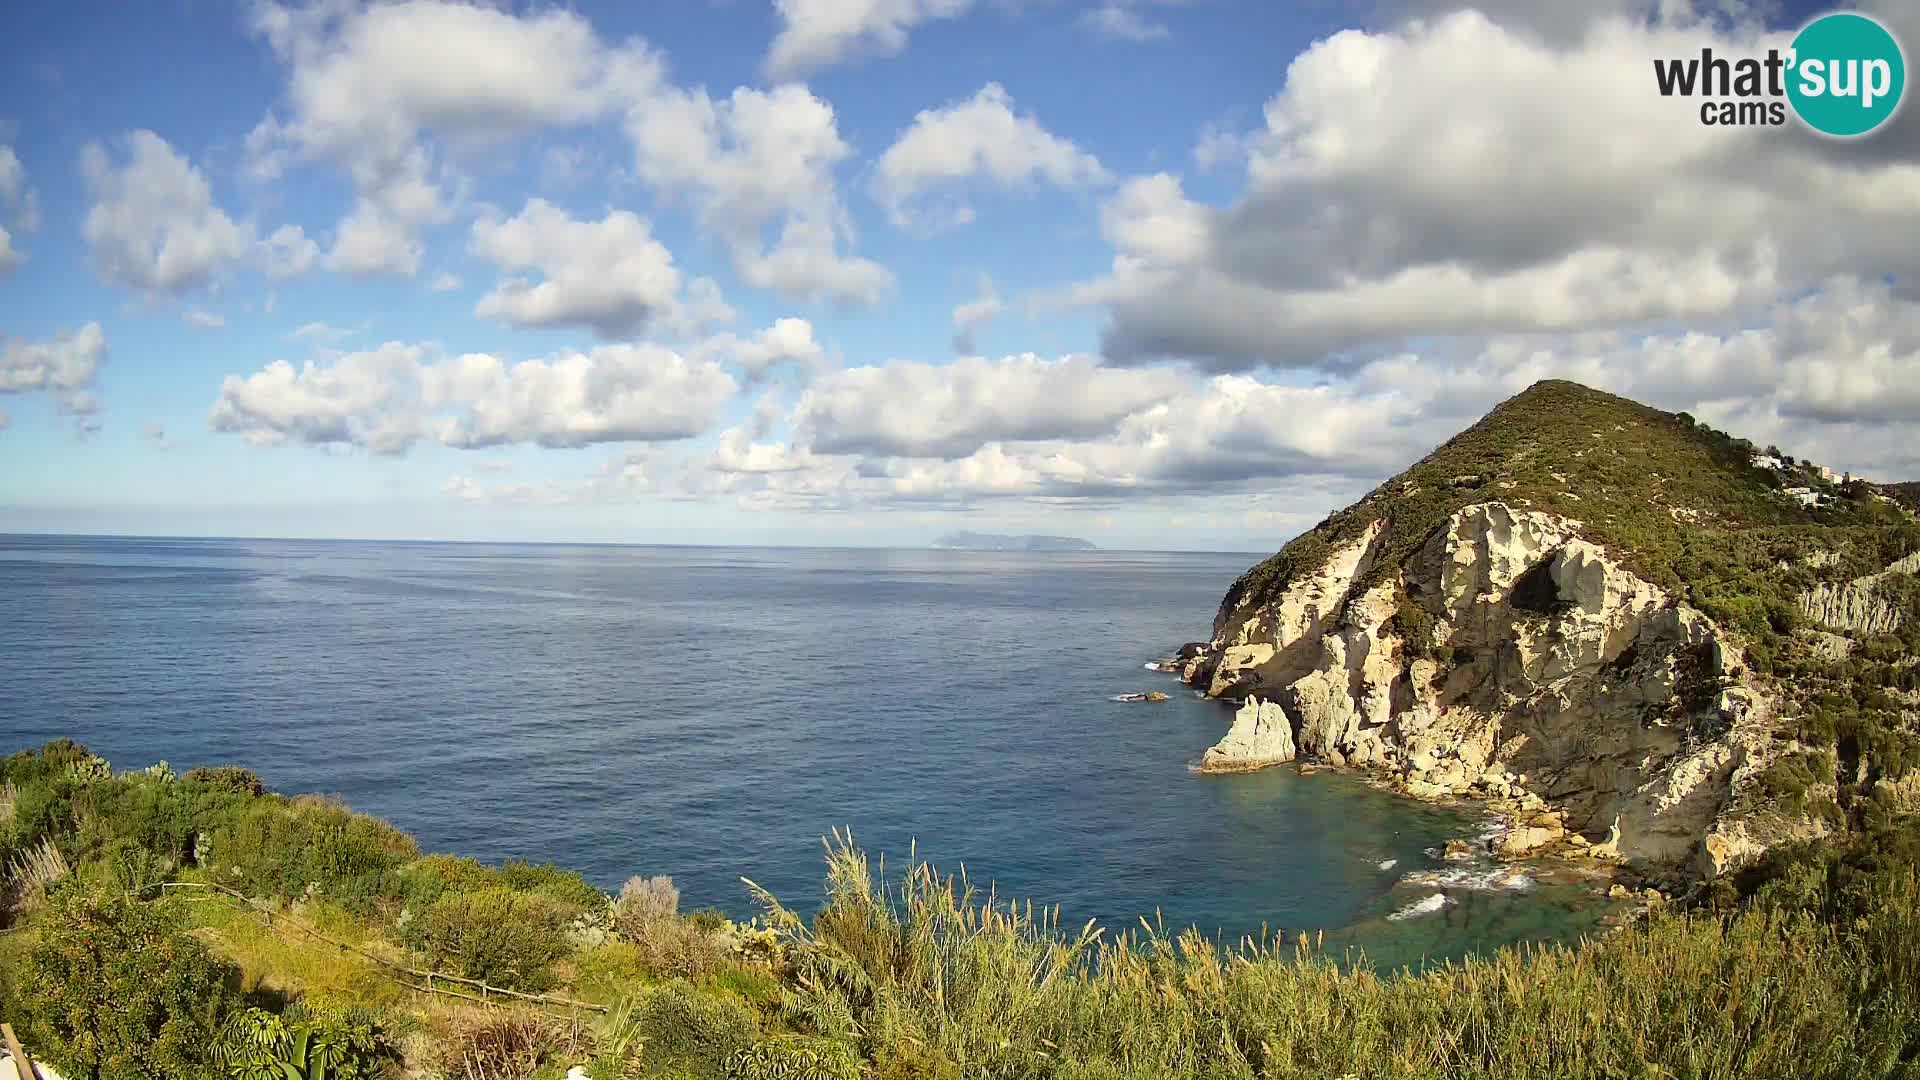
[[1261, 736], [1546, 675], [1151, 695], [1515, 843]]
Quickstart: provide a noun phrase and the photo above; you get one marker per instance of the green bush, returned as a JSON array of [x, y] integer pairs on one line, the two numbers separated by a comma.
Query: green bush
[[566, 886], [113, 988], [499, 936], [692, 1033], [284, 847], [229, 778]]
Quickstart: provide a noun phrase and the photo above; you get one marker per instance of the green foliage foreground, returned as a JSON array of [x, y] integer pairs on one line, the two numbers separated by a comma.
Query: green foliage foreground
[[1808, 966]]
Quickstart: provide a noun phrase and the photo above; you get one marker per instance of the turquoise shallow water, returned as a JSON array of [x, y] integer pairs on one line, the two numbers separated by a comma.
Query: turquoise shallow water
[[710, 712]]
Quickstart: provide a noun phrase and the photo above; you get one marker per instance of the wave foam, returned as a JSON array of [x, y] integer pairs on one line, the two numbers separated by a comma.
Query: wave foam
[[1482, 879], [1388, 864], [1427, 906]]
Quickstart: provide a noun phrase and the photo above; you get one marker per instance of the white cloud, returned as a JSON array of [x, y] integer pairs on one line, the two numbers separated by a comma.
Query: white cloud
[[26, 203], [202, 319], [368, 87], [815, 34], [974, 315], [65, 367], [981, 137], [445, 282], [153, 225], [1123, 22], [609, 275], [389, 398], [749, 161], [951, 410], [318, 332], [1425, 182], [13, 177], [786, 341], [288, 253]]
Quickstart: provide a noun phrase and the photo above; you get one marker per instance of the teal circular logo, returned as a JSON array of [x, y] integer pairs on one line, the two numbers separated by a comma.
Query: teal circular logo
[[1846, 74]]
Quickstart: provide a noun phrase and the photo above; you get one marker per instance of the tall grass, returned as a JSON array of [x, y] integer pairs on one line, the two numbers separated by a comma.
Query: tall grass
[[928, 978]]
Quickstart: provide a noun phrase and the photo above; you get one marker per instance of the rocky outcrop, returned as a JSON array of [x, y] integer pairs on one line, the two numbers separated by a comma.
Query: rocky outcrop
[[1507, 657], [1858, 606], [1261, 736]]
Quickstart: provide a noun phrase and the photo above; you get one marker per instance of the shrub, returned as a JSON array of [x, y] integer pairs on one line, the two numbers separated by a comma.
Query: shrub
[[692, 1032], [230, 778], [644, 900], [280, 847], [114, 988], [499, 936], [708, 919], [548, 880], [679, 949], [506, 1046]]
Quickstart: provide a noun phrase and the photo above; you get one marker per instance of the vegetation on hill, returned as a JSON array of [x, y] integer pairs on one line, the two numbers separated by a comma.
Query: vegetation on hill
[[1907, 494], [123, 960]]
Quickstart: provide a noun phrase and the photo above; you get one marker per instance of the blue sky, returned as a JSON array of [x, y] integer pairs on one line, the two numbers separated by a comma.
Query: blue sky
[[1161, 273]]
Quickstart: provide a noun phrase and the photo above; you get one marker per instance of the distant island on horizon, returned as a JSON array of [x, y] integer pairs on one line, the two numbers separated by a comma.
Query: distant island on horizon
[[976, 541]]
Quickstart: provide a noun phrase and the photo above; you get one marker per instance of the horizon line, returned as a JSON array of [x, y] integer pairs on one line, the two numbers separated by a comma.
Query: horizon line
[[630, 543]]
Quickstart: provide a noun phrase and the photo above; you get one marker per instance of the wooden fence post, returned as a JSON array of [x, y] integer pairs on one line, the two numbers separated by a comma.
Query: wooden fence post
[[22, 1064]]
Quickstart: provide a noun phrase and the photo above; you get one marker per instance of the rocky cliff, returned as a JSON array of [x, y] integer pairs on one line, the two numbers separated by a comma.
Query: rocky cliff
[[1462, 632]]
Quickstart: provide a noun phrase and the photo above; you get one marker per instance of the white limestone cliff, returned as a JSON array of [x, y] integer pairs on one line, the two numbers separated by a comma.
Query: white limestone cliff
[[1543, 670]]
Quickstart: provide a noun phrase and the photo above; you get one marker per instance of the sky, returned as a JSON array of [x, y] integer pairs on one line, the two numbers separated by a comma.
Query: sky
[[1174, 274]]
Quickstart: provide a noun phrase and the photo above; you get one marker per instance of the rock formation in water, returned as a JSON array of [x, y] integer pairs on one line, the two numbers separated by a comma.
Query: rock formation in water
[[1606, 616], [1261, 735]]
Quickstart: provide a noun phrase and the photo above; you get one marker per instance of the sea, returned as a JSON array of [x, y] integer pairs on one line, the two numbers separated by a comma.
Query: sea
[[715, 713]]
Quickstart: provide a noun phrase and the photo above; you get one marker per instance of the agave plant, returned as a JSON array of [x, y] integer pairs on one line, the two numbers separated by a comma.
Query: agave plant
[[259, 1045]]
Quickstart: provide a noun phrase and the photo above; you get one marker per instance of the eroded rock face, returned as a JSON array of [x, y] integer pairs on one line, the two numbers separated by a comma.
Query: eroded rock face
[[1543, 668], [1261, 736]]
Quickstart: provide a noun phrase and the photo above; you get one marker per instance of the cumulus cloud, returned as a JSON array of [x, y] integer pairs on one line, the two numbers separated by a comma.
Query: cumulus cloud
[[981, 137], [815, 34], [1826, 375], [609, 275], [387, 399], [10, 257], [367, 90], [974, 315], [64, 367], [202, 319], [444, 283], [153, 225], [753, 160], [288, 253], [952, 410], [1424, 181], [786, 341]]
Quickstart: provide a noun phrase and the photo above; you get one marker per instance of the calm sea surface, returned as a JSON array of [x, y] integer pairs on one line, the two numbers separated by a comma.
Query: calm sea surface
[[712, 712]]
